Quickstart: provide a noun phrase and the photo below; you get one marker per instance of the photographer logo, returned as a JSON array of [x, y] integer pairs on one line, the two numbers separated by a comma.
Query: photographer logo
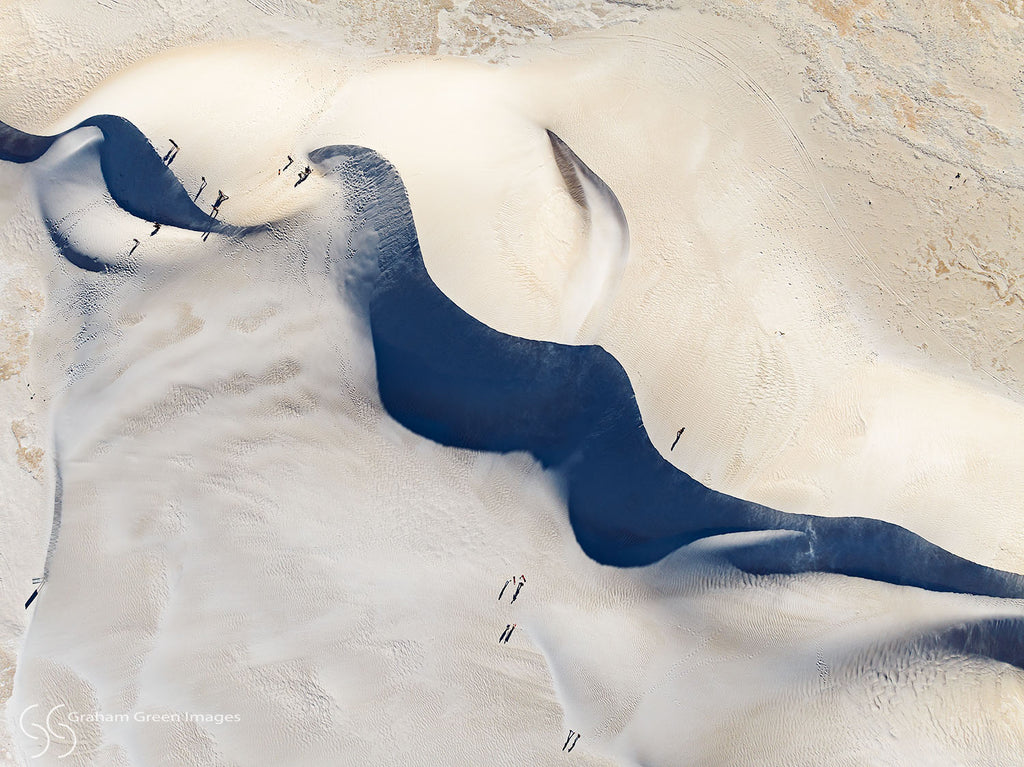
[[53, 732]]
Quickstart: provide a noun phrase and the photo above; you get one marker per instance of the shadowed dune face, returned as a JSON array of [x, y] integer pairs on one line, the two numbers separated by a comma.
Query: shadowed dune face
[[450, 378], [231, 441], [592, 283], [103, 172]]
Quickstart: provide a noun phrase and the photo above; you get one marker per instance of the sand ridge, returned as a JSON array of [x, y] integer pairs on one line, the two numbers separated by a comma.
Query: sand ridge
[[738, 315]]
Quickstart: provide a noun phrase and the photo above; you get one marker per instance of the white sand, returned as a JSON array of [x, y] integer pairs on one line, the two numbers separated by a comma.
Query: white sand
[[246, 532]]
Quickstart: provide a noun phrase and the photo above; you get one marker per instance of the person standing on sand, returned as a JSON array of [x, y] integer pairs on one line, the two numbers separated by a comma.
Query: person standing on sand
[[509, 635], [503, 588], [221, 197], [574, 742], [215, 210], [567, 740], [518, 587], [171, 153], [503, 633], [678, 435], [133, 246], [202, 186]]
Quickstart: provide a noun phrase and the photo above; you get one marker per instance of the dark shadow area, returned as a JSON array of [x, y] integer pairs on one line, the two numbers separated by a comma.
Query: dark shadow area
[[446, 376], [135, 174], [572, 168], [74, 255], [1001, 639], [450, 378], [19, 147]]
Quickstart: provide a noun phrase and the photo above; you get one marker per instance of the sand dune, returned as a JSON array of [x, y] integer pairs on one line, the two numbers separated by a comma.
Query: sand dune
[[244, 530], [592, 281]]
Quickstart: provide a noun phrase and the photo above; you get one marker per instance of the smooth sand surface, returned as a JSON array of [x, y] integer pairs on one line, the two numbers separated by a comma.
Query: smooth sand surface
[[244, 530]]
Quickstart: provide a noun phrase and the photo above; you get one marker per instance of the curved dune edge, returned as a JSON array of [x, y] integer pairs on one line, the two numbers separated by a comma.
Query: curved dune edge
[[806, 427], [135, 177], [591, 284], [452, 379], [94, 413], [644, 737]]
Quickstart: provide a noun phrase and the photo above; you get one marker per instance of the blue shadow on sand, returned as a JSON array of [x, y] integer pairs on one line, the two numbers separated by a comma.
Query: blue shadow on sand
[[447, 376], [136, 177], [450, 378]]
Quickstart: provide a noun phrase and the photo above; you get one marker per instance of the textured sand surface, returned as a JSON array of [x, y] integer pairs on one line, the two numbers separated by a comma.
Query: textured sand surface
[[824, 204]]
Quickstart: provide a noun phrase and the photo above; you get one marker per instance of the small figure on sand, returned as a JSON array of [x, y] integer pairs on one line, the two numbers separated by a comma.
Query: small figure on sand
[[508, 636], [574, 742], [156, 228], [171, 153], [286, 165], [221, 197], [571, 733], [38, 583], [503, 633], [502, 593], [215, 210], [522, 582], [303, 175], [202, 186], [678, 435], [133, 246]]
